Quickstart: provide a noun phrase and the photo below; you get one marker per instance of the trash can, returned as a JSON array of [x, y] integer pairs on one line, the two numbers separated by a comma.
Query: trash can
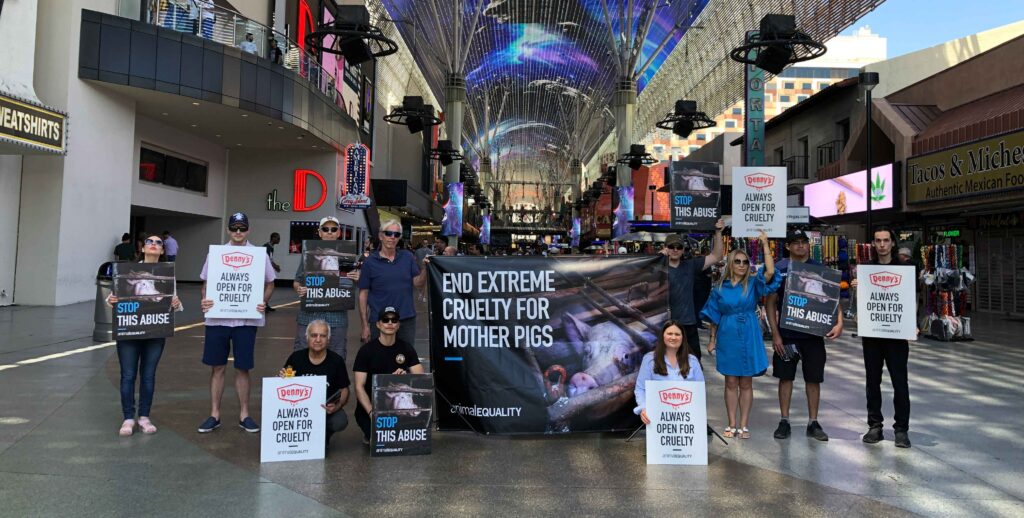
[[103, 314]]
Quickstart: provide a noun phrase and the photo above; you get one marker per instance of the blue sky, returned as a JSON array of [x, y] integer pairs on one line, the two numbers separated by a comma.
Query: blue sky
[[912, 25]]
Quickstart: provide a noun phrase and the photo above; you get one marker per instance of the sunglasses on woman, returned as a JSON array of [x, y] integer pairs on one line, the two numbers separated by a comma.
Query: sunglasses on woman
[[154, 242], [389, 320], [391, 233], [329, 230], [740, 261]]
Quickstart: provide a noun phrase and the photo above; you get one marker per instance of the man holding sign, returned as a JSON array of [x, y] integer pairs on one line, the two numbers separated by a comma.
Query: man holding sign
[[237, 335], [886, 306], [793, 346], [316, 360]]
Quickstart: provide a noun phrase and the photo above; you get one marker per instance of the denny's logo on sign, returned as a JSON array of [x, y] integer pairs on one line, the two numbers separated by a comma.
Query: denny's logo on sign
[[676, 397], [886, 279], [236, 260], [759, 181], [294, 393], [31, 126]]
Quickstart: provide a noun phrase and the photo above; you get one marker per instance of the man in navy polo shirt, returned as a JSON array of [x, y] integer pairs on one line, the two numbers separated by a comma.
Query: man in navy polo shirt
[[810, 347], [681, 275], [386, 279]]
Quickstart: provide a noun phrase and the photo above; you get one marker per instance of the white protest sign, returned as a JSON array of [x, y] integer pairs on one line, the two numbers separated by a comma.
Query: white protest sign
[[235, 278], [294, 423], [679, 422], [759, 201], [886, 301]]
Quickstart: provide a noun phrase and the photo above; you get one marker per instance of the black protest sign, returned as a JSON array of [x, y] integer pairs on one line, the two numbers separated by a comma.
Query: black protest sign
[[325, 266], [144, 292], [402, 411], [542, 345], [811, 300], [695, 194]]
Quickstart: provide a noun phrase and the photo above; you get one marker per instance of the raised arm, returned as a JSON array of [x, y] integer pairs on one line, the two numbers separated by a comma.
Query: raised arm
[[769, 261], [718, 247]]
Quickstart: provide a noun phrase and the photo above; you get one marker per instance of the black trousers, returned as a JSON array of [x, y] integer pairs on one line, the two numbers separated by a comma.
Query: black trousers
[[893, 354], [692, 338], [363, 420]]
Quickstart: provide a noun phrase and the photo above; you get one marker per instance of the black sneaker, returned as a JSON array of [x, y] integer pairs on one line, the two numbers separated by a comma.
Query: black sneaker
[[210, 424], [874, 435], [814, 430], [249, 424], [782, 432], [902, 440]]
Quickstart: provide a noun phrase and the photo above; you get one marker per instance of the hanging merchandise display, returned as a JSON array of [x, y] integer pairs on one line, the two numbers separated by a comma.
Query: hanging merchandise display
[[752, 247], [947, 280]]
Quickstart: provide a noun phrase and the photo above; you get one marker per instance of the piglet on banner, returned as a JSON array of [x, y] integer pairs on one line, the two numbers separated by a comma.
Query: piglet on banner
[[325, 265], [402, 410], [235, 280], [812, 299], [451, 223], [354, 191], [542, 345], [485, 229], [144, 292], [624, 212], [695, 195]]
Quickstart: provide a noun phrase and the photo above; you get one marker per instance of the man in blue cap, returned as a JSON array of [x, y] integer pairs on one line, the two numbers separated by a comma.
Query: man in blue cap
[[237, 335]]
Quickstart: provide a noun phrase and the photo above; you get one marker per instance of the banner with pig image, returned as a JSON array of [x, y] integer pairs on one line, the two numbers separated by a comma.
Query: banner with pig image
[[402, 412], [542, 345], [325, 265], [812, 299], [696, 189], [144, 292]]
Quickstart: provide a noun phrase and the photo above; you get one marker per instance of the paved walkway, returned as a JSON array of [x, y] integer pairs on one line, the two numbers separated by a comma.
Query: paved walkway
[[60, 454]]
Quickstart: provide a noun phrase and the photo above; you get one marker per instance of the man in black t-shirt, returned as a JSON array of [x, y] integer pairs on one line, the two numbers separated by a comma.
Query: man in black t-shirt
[[126, 250], [383, 355], [317, 360]]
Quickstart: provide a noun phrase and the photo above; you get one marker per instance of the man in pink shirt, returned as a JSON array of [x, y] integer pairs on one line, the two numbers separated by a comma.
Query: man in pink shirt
[[225, 334]]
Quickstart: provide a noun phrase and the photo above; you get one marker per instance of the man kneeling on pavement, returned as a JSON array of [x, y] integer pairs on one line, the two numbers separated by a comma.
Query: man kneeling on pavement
[[317, 360]]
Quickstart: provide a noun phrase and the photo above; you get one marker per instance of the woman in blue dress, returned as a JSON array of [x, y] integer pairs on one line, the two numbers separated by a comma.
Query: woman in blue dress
[[736, 339], [670, 360]]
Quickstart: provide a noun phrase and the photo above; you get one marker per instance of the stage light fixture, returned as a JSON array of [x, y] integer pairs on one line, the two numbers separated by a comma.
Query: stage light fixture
[[685, 118], [414, 114], [637, 157], [445, 153], [778, 43], [354, 37]]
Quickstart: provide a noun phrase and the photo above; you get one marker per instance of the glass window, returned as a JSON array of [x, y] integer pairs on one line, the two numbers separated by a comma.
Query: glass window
[[737, 111], [701, 136], [823, 85], [694, 148], [173, 171], [783, 98], [801, 98], [789, 85], [806, 86], [730, 124]]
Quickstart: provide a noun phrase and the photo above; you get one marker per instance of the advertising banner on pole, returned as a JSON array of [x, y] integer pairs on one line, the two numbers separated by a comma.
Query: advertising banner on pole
[[886, 301], [574, 234], [696, 189], [542, 345], [758, 201], [234, 280], [144, 292], [485, 229], [294, 423], [325, 265], [679, 421], [811, 299], [402, 410], [451, 222]]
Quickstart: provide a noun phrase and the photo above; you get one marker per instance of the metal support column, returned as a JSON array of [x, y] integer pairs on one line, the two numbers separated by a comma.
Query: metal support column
[[455, 100], [624, 104]]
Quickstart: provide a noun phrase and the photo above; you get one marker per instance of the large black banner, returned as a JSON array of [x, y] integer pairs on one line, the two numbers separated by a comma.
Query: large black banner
[[402, 410], [542, 345], [143, 308], [325, 266], [811, 299], [696, 189]]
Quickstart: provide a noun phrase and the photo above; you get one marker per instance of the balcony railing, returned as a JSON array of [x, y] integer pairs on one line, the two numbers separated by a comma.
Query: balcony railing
[[208, 21], [796, 167], [830, 152]]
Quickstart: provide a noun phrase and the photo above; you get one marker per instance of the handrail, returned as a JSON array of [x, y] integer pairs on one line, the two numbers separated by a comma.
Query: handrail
[[228, 27]]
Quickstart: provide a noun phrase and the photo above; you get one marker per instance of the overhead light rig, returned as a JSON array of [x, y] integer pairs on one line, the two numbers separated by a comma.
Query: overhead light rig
[[414, 114], [685, 119], [637, 157], [445, 153], [778, 44], [353, 37]]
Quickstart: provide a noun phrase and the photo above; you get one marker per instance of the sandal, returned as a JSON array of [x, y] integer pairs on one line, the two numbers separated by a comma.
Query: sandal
[[127, 428], [743, 433], [729, 432], [146, 425]]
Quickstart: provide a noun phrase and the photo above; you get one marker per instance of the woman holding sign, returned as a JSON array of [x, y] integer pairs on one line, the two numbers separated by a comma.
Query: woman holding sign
[[139, 358], [731, 310], [670, 360]]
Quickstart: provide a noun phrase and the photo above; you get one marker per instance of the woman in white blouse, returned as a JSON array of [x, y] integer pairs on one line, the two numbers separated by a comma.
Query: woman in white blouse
[[670, 360]]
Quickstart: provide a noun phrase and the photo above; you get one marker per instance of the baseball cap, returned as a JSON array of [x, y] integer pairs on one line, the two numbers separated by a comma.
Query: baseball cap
[[796, 235], [238, 218], [390, 310], [904, 251], [673, 239], [325, 219]]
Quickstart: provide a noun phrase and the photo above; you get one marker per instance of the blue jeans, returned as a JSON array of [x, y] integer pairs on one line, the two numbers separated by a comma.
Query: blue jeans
[[138, 359]]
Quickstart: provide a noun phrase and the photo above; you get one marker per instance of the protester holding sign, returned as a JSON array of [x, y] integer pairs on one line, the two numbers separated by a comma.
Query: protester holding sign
[[139, 358], [385, 354], [682, 275], [890, 352], [232, 335], [316, 360], [793, 346], [330, 230], [670, 360], [731, 310], [387, 279]]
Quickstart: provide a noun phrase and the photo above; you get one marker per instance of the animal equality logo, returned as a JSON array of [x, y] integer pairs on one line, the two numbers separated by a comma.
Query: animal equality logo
[[294, 393], [759, 181], [886, 280], [236, 260], [675, 397]]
